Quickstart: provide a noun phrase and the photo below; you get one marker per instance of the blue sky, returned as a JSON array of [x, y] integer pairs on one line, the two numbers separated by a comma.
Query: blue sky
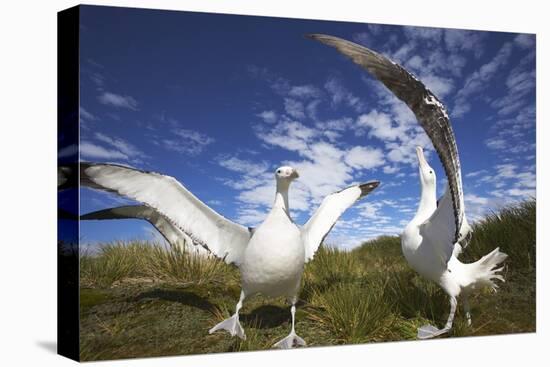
[[220, 101]]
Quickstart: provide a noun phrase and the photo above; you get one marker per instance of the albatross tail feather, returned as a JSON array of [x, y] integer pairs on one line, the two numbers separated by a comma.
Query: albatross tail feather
[[485, 271]]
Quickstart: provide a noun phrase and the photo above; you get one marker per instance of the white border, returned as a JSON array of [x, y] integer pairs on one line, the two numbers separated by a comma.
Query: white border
[[28, 180]]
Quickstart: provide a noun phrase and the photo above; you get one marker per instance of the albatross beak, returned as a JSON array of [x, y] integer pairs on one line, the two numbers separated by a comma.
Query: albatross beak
[[420, 156], [294, 174]]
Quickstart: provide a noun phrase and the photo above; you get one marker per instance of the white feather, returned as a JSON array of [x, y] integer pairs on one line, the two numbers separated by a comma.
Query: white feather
[[222, 237], [324, 218]]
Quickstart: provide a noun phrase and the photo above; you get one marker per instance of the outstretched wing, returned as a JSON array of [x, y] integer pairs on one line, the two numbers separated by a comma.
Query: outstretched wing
[[427, 108], [220, 236], [173, 235], [332, 207], [439, 228]]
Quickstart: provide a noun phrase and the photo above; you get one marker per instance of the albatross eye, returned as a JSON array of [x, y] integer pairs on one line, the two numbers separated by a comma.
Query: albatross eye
[[431, 172], [278, 171]]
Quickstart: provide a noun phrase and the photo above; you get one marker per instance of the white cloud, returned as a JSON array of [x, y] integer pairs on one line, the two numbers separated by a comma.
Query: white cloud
[[118, 100], [323, 171], [304, 92], [268, 116], [187, 141], [423, 33], [507, 170], [311, 109], [243, 166], [340, 124], [474, 199], [340, 94], [415, 62], [90, 150], [369, 210], [390, 169], [520, 82], [364, 157], [477, 81], [259, 196], [464, 40], [119, 149], [294, 108], [475, 173], [123, 146], [84, 114], [440, 86], [98, 79], [366, 38], [403, 53], [290, 135], [495, 143], [380, 125], [525, 40]]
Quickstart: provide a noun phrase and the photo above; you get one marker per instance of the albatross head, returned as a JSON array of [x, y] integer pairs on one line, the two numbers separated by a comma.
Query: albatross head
[[426, 173], [286, 174]]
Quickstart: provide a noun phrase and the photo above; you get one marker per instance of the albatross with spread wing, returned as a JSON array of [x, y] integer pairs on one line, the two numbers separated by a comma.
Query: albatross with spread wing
[[430, 242], [270, 258]]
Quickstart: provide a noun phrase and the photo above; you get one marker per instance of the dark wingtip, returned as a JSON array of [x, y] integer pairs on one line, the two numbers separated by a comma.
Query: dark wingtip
[[312, 36], [368, 187], [323, 38]]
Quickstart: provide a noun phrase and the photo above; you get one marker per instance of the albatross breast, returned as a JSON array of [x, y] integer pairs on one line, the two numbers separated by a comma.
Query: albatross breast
[[274, 259]]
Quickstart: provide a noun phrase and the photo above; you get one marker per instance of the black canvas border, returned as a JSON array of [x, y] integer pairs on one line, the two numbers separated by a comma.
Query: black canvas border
[[68, 317]]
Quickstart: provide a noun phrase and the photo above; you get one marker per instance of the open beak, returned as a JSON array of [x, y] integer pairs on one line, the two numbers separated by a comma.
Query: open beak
[[420, 156]]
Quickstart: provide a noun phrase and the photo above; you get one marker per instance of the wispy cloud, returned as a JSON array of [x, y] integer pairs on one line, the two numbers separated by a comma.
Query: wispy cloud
[[525, 40], [122, 145], [340, 94], [111, 148], [84, 114], [304, 92], [268, 116], [91, 150], [295, 108], [478, 80], [118, 100], [364, 157]]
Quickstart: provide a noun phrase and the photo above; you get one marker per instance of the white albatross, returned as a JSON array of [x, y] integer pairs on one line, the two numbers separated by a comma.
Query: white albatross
[[270, 258], [430, 242], [427, 244]]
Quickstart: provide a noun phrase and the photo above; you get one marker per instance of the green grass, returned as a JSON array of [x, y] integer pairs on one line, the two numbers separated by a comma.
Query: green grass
[[114, 263], [140, 299], [352, 313]]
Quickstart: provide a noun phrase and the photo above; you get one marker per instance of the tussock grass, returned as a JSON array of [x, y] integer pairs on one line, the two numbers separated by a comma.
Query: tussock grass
[[113, 263], [416, 297], [513, 229], [148, 300], [120, 261], [381, 254], [330, 267], [180, 266], [353, 312]]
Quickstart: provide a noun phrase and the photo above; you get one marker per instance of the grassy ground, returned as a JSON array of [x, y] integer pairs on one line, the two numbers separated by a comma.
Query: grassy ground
[[140, 300]]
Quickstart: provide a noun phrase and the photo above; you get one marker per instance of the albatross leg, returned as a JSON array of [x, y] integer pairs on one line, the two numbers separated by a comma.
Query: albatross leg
[[232, 324], [467, 310], [292, 338], [429, 331]]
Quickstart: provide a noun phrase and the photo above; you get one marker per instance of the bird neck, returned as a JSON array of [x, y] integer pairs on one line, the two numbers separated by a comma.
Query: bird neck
[[428, 204], [281, 196]]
